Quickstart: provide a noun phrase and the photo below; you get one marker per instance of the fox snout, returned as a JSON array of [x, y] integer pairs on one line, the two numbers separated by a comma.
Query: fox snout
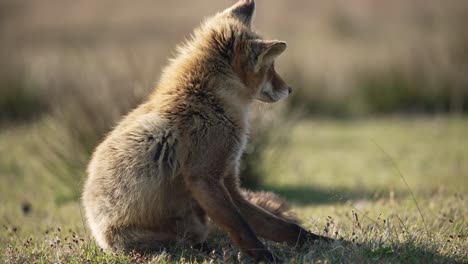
[[270, 94], [274, 88]]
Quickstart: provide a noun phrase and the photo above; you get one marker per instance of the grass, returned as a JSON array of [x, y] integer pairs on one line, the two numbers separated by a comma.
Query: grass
[[334, 172]]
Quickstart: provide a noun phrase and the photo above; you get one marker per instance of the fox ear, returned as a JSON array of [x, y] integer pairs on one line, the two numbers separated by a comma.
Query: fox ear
[[266, 51], [243, 10]]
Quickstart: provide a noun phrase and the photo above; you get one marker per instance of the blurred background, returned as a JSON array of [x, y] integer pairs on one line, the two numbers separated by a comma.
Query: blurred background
[[379, 86]]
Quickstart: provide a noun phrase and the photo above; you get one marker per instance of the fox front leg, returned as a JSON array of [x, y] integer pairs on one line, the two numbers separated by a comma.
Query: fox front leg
[[213, 197]]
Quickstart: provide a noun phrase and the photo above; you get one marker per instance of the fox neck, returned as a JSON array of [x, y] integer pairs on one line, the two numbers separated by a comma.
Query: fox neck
[[203, 70], [223, 91], [236, 105]]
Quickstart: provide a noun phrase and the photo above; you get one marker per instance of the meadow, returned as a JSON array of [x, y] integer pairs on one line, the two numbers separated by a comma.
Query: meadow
[[344, 181], [370, 149]]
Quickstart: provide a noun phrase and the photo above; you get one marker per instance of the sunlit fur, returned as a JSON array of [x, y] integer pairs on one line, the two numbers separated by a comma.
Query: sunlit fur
[[140, 193]]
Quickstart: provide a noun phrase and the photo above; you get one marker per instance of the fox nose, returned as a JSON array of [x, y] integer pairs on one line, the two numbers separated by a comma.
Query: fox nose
[[290, 89]]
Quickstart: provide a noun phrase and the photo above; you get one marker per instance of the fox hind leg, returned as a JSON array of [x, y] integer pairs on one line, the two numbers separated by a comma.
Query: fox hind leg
[[128, 239], [191, 229]]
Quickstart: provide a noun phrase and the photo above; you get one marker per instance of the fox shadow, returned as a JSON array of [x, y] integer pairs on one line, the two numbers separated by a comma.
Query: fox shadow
[[343, 251], [220, 249], [307, 195]]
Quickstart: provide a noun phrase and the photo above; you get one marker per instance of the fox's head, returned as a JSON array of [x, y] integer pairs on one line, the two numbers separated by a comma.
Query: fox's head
[[254, 58], [229, 41]]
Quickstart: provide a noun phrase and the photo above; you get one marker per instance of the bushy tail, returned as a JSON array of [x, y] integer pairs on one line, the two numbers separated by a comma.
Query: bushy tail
[[271, 203]]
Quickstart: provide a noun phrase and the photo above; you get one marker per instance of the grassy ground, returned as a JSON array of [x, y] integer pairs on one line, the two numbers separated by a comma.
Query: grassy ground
[[346, 179]]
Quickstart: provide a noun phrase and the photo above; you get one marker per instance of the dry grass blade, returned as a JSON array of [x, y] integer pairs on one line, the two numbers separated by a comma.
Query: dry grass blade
[[397, 169]]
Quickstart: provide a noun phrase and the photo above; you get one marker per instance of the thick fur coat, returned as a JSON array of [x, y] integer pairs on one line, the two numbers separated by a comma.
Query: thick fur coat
[[173, 162]]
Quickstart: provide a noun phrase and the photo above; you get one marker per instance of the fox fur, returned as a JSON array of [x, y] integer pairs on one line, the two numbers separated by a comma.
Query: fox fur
[[172, 163]]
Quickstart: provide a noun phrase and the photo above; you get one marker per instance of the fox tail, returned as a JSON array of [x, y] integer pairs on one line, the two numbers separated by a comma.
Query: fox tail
[[272, 203]]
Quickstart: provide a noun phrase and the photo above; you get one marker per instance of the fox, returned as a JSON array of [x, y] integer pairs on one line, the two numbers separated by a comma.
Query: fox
[[170, 167]]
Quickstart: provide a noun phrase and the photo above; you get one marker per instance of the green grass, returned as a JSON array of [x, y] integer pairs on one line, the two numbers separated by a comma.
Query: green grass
[[341, 176]]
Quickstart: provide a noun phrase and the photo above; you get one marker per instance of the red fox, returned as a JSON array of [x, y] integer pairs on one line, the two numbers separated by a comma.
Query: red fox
[[172, 164]]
